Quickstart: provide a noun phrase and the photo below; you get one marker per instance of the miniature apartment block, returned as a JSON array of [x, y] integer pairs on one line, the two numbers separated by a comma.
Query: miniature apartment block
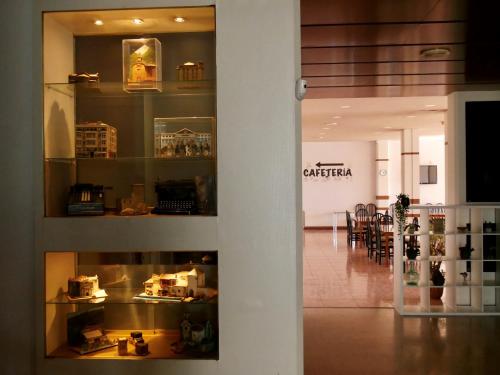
[[96, 140]]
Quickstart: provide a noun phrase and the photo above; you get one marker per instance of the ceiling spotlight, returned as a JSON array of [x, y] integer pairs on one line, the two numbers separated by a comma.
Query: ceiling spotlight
[[435, 52], [411, 116], [336, 117], [325, 128], [387, 127], [98, 22], [345, 106], [331, 124], [430, 105], [137, 21], [179, 19]]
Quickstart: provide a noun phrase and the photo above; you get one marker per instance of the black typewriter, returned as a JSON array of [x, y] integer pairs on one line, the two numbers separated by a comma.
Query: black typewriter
[[176, 198], [86, 199]]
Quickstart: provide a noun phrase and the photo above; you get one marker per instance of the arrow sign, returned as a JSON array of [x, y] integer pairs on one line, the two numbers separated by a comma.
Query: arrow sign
[[319, 164]]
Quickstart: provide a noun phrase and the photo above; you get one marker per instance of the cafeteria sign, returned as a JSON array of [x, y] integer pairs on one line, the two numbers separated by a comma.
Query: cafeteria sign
[[326, 171]]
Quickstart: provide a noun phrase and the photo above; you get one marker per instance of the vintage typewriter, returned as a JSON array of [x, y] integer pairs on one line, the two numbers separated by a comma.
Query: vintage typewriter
[[176, 198], [86, 199]]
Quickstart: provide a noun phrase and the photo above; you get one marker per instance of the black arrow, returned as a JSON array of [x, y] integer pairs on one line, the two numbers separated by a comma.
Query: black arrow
[[319, 164]]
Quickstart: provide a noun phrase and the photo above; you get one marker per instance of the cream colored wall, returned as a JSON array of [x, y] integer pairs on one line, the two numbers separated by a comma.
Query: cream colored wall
[[59, 102]]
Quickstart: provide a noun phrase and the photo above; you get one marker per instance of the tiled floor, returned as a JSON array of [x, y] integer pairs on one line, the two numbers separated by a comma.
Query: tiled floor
[[340, 276], [359, 339]]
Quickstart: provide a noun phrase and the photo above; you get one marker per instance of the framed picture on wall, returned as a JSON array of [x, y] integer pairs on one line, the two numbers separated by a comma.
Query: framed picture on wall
[[428, 174]]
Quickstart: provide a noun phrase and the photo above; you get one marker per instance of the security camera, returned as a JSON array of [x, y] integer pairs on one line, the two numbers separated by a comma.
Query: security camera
[[300, 88]]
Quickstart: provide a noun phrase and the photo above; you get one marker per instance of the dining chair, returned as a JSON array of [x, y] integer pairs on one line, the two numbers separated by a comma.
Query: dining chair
[[359, 206], [354, 232], [371, 208], [376, 217]]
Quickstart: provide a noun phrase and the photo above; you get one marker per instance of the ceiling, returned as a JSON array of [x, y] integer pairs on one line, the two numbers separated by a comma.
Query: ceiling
[[368, 48], [159, 20], [368, 119]]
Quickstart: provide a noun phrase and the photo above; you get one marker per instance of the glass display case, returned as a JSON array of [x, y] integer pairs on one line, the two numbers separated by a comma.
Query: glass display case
[[141, 64], [119, 115], [123, 305]]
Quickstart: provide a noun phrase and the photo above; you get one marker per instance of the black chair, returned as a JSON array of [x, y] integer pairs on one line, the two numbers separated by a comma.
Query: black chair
[[370, 239], [371, 208], [354, 234], [377, 217], [385, 224], [359, 206], [362, 218]]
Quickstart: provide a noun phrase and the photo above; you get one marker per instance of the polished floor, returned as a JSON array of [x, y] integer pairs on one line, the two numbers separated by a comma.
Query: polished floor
[[345, 333], [337, 275]]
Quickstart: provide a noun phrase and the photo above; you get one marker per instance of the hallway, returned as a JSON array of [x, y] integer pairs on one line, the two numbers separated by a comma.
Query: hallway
[[345, 332]]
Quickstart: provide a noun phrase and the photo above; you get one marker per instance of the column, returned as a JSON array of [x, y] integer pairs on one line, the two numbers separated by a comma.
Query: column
[[410, 165], [382, 177]]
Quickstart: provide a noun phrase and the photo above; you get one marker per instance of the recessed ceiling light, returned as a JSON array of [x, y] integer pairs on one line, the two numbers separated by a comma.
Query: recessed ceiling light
[[435, 52], [98, 22], [322, 133], [325, 128], [430, 105], [137, 21], [336, 117], [345, 106], [411, 116], [387, 127], [331, 124], [179, 19]]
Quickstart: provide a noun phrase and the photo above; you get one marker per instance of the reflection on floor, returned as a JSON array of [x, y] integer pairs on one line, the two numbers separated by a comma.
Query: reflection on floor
[[370, 340], [379, 341], [340, 276]]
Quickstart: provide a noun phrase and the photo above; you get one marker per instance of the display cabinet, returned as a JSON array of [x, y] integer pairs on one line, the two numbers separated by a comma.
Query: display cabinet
[[457, 269], [121, 116], [131, 305]]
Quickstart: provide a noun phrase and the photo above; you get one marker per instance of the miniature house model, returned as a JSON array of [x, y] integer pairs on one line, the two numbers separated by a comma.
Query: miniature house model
[[181, 284], [184, 143], [95, 140]]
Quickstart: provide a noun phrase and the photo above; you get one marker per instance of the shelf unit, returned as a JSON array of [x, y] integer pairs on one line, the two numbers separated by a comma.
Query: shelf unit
[[121, 275], [476, 294], [105, 133]]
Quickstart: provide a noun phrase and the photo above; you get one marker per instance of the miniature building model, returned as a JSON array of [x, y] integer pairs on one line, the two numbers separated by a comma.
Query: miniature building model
[[185, 143], [96, 140], [83, 286], [190, 71], [181, 284]]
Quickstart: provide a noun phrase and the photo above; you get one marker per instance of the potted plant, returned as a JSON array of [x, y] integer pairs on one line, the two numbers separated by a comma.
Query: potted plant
[[437, 276], [412, 253], [401, 210], [465, 252], [438, 280]]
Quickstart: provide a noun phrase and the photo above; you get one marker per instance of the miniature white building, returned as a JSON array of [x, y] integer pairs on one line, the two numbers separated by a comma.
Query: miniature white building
[[181, 284], [95, 140]]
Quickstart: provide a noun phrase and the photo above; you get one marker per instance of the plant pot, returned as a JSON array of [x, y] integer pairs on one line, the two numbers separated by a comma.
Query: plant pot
[[465, 252], [436, 293], [412, 253]]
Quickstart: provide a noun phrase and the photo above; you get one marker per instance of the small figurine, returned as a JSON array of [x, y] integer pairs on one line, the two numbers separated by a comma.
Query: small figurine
[[138, 71]]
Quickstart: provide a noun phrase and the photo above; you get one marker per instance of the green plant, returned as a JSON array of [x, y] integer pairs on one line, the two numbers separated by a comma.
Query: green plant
[[401, 210], [437, 249]]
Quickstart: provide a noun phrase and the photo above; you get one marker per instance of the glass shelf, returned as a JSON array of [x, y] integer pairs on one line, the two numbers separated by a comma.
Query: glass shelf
[[124, 296], [115, 89]]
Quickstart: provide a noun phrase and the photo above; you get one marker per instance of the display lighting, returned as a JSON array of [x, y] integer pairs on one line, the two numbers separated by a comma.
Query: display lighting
[[98, 22], [179, 19], [137, 21]]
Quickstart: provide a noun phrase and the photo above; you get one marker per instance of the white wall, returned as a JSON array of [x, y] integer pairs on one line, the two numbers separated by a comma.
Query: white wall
[[322, 196], [394, 170], [431, 149]]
